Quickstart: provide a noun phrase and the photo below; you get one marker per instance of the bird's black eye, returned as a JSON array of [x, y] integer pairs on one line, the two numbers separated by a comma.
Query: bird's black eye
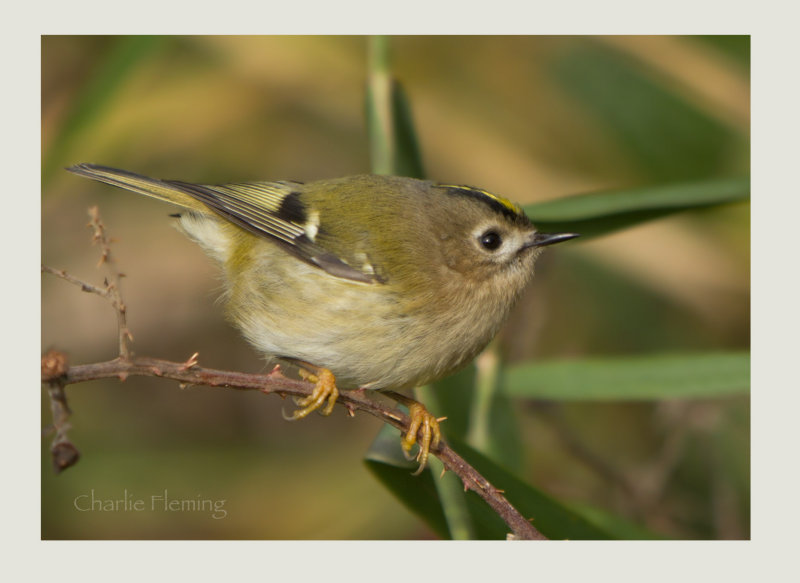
[[491, 240]]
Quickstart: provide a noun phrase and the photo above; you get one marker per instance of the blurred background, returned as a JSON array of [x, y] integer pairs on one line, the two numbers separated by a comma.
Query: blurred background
[[530, 118]]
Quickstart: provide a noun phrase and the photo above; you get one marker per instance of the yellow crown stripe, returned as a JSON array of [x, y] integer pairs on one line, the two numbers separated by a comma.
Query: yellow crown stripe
[[514, 208]]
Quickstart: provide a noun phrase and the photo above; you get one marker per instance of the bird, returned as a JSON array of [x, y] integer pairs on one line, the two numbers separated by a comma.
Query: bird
[[368, 282]]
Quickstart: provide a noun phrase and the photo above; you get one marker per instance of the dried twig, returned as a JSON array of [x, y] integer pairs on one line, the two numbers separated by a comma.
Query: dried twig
[[112, 287], [64, 453], [189, 373]]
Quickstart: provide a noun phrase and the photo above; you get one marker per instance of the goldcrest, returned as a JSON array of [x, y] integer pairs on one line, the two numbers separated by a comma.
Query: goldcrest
[[382, 282]]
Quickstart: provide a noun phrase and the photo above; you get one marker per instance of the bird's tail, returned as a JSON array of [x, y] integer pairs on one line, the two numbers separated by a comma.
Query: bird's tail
[[162, 190]]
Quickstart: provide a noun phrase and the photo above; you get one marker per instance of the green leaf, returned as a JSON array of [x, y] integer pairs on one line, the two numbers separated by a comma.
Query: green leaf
[[417, 493], [620, 528], [596, 214], [393, 142], [454, 503], [548, 515], [655, 124], [420, 495], [674, 376], [451, 496], [735, 46]]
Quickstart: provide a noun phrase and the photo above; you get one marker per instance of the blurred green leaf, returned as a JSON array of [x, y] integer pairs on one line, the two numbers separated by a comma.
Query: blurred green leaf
[[451, 496], [492, 428], [127, 53], [633, 378], [661, 130], [734, 46], [408, 159], [453, 499], [479, 434], [596, 214], [452, 397], [600, 298], [393, 141], [617, 526], [419, 495], [549, 516]]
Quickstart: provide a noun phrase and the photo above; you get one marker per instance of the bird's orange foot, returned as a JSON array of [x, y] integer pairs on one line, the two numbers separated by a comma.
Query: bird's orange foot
[[422, 422], [325, 388]]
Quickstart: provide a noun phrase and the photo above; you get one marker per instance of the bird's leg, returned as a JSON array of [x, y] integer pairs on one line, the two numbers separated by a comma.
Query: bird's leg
[[324, 388], [423, 426]]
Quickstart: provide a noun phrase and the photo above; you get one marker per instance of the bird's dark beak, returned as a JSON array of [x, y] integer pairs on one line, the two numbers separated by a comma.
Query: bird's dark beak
[[544, 239]]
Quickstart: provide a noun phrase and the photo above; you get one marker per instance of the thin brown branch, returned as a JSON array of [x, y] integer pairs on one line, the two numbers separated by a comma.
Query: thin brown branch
[[188, 373], [64, 454], [87, 287], [112, 287]]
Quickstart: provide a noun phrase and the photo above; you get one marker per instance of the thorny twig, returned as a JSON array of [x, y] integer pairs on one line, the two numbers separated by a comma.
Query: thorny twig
[[112, 287], [64, 453], [56, 373], [188, 373]]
